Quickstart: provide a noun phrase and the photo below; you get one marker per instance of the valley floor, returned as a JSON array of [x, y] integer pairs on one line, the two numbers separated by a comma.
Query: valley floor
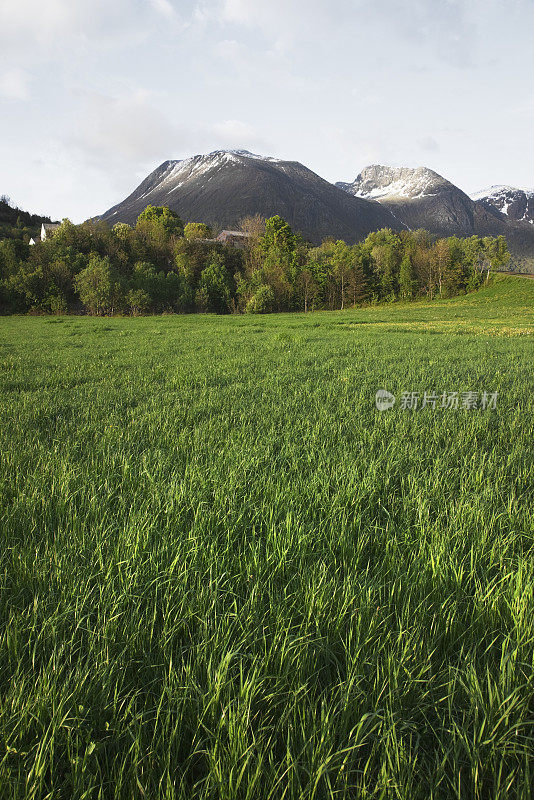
[[226, 574]]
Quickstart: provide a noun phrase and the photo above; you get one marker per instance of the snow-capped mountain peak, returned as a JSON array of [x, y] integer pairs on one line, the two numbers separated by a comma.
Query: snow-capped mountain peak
[[419, 197], [245, 154], [517, 203], [224, 186], [177, 171], [491, 191], [378, 182], [173, 174]]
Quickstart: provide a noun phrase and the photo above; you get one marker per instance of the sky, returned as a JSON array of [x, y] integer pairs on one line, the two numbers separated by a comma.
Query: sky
[[94, 94]]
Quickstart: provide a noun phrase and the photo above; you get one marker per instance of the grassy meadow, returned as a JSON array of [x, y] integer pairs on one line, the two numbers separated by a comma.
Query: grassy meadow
[[226, 576]]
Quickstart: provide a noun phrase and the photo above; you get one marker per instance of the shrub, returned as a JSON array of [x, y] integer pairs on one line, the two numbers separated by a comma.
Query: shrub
[[139, 301], [262, 302]]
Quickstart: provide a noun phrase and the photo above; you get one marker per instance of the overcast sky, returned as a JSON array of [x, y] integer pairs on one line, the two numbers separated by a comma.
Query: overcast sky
[[96, 93]]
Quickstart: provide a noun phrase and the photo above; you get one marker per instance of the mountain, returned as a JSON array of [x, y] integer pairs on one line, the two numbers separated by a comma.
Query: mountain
[[517, 204], [421, 198], [379, 182], [222, 187], [418, 197]]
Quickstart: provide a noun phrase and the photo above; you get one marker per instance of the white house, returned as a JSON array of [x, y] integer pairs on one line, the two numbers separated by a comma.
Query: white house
[[47, 229]]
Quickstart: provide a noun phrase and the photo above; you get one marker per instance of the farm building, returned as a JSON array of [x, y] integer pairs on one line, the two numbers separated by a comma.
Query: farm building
[[237, 238]]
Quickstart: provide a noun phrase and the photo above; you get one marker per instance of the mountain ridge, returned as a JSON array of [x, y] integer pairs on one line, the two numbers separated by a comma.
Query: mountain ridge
[[224, 186]]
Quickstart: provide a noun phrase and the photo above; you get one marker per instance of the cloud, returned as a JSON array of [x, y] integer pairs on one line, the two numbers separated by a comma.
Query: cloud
[[166, 9], [337, 85], [204, 13], [230, 50], [33, 31], [42, 25], [449, 27], [241, 11], [14, 84], [280, 15], [116, 131], [360, 146], [283, 22], [429, 144], [235, 134], [121, 134], [233, 131]]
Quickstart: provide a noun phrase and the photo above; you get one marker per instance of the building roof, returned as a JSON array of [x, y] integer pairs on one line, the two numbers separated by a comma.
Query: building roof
[[233, 233], [51, 226]]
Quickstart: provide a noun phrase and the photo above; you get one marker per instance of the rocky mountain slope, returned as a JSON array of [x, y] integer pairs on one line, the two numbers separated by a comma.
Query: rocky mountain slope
[[517, 204], [418, 197], [222, 187]]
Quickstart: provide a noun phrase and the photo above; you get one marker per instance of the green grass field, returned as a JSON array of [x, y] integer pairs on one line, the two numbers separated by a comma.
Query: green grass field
[[225, 574]]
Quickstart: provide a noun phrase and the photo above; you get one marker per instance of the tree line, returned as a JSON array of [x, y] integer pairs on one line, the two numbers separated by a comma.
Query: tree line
[[161, 265]]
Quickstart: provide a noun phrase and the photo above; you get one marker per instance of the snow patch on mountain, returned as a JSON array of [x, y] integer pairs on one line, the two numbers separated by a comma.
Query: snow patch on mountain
[[499, 190], [377, 182], [516, 203], [175, 173]]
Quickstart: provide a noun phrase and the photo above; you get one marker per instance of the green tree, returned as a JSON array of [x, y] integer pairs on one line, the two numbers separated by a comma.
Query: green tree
[[441, 256], [497, 252], [139, 301], [385, 249], [214, 287], [279, 246], [162, 217], [406, 278], [97, 286], [9, 258], [193, 256], [342, 263], [307, 287], [278, 237], [197, 230], [157, 232], [359, 284], [457, 274], [122, 231], [262, 302]]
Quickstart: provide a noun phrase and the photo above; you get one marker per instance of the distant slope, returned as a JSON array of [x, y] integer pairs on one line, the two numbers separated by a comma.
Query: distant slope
[[421, 198], [224, 186], [517, 204]]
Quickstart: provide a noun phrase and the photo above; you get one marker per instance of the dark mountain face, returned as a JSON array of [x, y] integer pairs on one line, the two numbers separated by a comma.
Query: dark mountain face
[[516, 204], [225, 186], [420, 198]]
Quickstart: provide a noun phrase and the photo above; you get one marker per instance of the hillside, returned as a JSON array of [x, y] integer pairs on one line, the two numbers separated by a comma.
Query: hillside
[[18, 224], [224, 186]]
